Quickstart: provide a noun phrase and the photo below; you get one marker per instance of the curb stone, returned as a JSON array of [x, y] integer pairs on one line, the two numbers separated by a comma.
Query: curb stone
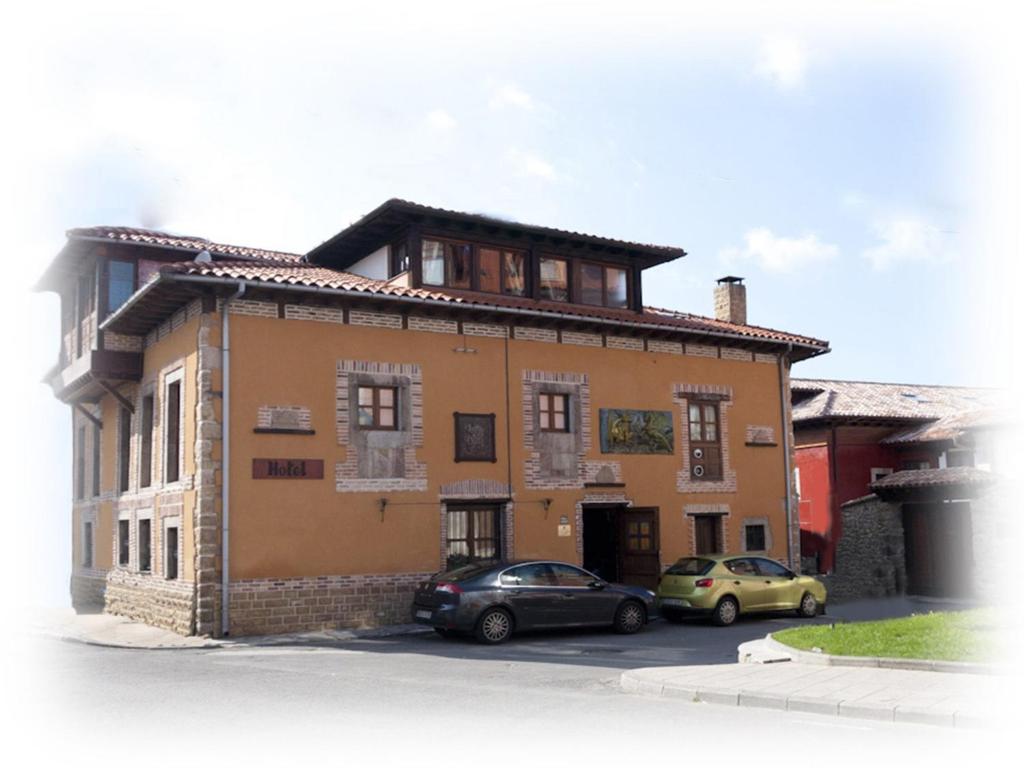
[[921, 665]]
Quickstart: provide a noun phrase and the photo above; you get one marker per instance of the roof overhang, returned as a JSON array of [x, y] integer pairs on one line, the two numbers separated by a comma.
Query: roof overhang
[[161, 297], [382, 225]]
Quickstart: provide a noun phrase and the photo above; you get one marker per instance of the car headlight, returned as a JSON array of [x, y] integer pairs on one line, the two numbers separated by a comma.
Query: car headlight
[[650, 595]]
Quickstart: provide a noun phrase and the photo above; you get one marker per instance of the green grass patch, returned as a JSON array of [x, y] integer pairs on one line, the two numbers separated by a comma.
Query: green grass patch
[[953, 636]]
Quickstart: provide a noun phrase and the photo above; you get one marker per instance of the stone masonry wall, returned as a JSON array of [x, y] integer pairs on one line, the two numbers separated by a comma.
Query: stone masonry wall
[[869, 556], [267, 606], [87, 590], [150, 599]]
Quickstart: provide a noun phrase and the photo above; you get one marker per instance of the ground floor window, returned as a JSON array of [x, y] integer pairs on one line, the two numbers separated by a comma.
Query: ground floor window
[[171, 552], [754, 537], [145, 550], [474, 534], [87, 545], [123, 541]]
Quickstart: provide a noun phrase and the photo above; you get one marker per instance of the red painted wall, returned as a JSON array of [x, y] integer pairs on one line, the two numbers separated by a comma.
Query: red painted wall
[[824, 489]]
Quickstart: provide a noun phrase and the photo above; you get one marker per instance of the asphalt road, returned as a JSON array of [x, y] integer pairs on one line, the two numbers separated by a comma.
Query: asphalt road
[[417, 699]]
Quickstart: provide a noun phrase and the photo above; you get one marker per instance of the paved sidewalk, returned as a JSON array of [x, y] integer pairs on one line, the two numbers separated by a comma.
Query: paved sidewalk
[[937, 698], [119, 632]]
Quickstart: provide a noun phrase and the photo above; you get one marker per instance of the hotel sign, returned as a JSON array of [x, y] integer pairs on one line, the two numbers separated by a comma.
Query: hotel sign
[[287, 469]]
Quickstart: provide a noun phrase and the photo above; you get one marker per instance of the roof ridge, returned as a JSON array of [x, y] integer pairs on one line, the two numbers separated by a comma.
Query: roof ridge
[[889, 383]]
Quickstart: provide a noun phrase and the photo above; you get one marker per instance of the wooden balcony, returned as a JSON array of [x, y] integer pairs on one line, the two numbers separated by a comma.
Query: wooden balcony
[[87, 378]]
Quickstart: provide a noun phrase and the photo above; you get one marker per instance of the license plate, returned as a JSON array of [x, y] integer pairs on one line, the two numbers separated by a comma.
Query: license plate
[[673, 602], [423, 614]]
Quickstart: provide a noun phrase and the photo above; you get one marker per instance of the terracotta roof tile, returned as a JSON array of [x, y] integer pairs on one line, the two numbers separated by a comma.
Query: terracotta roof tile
[[188, 242], [290, 273], [932, 478], [865, 399]]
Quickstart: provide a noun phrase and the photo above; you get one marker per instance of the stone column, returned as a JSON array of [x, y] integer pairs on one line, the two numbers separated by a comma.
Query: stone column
[[206, 520]]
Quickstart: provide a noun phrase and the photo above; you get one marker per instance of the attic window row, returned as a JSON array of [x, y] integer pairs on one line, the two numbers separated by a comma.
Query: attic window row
[[473, 267]]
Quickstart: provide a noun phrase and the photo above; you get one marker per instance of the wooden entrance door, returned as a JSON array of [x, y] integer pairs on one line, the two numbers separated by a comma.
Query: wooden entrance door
[[708, 534], [639, 546]]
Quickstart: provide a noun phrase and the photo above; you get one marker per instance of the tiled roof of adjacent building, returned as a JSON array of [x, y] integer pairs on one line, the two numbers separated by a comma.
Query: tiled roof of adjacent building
[[311, 276], [186, 242], [933, 478], [825, 399]]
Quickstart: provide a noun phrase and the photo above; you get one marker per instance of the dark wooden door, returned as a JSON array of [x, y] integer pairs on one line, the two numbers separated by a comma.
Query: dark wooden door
[[639, 547], [708, 540]]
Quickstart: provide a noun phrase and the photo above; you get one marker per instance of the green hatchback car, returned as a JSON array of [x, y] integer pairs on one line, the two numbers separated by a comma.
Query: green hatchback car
[[724, 586]]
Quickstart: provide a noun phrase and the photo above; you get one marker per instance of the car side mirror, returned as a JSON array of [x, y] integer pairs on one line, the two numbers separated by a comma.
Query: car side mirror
[[792, 575], [597, 584]]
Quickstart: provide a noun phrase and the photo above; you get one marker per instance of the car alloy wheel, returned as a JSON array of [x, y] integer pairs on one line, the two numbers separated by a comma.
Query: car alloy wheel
[[726, 611], [808, 606], [495, 626], [630, 618]]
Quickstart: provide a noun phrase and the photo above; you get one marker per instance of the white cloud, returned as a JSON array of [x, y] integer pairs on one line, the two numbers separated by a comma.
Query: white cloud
[[904, 238], [510, 95], [783, 62], [440, 120], [780, 254], [529, 164]]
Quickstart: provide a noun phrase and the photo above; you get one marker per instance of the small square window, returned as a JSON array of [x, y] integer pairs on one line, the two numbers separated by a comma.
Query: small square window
[[377, 408], [553, 412], [171, 552], [755, 538]]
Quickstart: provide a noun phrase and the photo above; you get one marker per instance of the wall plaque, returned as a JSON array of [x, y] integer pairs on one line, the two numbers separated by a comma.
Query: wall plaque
[[287, 469], [474, 437], [628, 431]]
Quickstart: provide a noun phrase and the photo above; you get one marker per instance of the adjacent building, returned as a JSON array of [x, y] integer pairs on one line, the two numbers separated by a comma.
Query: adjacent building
[[268, 441], [895, 484]]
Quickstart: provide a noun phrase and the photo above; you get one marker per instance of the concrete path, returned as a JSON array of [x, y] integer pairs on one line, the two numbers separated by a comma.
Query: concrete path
[[112, 631], [937, 698]]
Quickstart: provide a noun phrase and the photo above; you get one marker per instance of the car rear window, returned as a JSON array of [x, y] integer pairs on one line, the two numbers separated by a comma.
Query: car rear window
[[691, 566], [467, 571]]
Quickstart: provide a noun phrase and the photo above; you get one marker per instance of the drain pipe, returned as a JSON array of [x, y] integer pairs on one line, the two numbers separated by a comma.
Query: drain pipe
[[225, 473], [783, 399]]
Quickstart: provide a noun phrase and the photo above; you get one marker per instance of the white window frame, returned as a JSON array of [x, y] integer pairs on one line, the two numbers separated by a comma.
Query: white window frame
[[177, 375], [877, 473], [170, 522]]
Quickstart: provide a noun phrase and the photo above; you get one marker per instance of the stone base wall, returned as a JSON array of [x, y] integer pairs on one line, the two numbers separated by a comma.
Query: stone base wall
[[269, 606], [87, 590], [869, 555], [151, 600]]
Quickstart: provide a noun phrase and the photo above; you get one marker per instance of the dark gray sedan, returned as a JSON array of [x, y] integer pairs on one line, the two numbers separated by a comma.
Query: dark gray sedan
[[493, 600]]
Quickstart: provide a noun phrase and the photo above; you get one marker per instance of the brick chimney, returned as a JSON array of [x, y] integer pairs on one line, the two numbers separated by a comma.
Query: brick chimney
[[731, 300]]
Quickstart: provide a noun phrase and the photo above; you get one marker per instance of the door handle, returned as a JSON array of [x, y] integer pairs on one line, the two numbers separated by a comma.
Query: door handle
[[568, 596], [735, 582], [515, 591]]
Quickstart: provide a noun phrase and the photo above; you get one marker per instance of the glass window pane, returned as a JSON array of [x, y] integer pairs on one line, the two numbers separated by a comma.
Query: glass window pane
[[558, 421], [483, 523], [121, 283], [490, 270], [387, 396], [459, 266], [617, 293], [457, 523], [710, 414], [433, 262], [365, 417], [695, 413], [515, 273], [554, 279], [592, 284], [695, 430], [710, 433], [366, 395], [559, 402], [387, 417]]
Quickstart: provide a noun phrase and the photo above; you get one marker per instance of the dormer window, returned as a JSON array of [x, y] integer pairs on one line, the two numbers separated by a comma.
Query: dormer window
[[603, 286], [471, 267], [554, 279]]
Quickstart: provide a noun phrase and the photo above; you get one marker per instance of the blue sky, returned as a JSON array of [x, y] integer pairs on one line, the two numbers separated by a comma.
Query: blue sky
[[826, 159]]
